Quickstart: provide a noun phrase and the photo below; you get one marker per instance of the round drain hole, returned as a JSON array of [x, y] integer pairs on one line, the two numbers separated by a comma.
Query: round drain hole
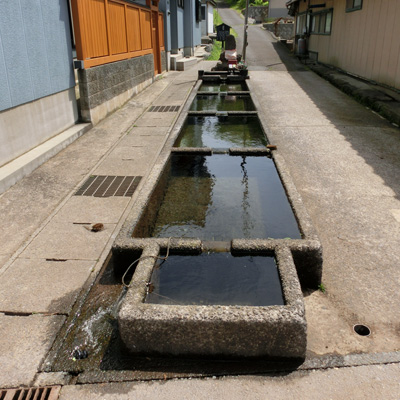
[[362, 330]]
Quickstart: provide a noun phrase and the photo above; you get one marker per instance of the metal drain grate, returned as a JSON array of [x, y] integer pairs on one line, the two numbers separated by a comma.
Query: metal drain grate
[[108, 186], [37, 393], [164, 108]]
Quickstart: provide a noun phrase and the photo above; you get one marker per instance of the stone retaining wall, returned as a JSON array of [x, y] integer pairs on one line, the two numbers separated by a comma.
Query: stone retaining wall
[[283, 31], [259, 14], [107, 87]]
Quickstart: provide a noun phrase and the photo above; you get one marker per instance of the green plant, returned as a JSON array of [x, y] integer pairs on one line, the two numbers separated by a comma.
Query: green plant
[[259, 3], [322, 288], [217, 46]]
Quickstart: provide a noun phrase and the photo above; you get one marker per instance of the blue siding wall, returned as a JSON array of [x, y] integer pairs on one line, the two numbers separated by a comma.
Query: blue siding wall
[[180, 27], [35, 50], [192, 29], [164, 7], [188, 12]]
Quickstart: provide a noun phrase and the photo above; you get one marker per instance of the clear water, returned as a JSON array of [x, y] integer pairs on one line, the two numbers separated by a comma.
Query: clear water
[[222, 103], [222, 197], [223, 87], [222, 132], [216, 279]]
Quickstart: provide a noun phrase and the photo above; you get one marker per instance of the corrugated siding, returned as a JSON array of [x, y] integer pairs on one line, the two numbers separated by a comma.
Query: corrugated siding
[[35, 50], [365, 42]]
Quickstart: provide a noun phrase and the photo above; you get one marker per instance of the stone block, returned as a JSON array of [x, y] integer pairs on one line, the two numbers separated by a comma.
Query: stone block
[[233, 331]]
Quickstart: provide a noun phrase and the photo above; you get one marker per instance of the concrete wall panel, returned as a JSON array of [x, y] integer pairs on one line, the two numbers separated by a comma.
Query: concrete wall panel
[[28, 125]]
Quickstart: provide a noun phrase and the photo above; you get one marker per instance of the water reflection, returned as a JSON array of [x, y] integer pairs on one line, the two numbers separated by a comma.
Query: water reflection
[[222, 132], [216, 279], [222, 103], [222, 197]]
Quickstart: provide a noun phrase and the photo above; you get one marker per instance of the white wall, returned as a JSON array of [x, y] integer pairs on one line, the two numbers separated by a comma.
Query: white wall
[[24, 127], [210, 18]]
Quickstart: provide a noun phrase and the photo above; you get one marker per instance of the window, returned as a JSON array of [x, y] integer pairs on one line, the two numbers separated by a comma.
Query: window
[[353, 5], [203, 13], [197, 5], [321, 22], [180, 3], [301, 24]]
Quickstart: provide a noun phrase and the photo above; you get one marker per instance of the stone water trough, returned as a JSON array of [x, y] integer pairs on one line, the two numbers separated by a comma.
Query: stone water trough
[[194, 310]]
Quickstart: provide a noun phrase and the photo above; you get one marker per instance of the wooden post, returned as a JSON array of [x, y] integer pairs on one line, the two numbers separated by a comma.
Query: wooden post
[[79, 27]]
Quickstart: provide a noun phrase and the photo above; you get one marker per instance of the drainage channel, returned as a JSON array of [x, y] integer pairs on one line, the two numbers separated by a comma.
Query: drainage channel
[[223, 245]]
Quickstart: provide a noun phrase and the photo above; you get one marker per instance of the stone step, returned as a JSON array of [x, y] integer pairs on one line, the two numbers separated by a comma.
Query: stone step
[[173, 60], [185, 63]]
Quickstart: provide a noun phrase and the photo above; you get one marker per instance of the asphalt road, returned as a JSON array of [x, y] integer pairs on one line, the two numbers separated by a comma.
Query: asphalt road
[[264, 53]]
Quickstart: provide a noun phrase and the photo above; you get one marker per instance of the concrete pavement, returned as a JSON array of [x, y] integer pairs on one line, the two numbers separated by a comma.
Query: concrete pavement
[[344, 162], [48, 254]]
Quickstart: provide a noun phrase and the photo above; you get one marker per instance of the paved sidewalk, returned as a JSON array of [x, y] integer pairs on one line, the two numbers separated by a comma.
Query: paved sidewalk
[[344, 162], [48, 251]]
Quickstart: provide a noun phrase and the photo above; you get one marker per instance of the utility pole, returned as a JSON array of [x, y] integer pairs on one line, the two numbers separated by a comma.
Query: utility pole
[[246, 18]]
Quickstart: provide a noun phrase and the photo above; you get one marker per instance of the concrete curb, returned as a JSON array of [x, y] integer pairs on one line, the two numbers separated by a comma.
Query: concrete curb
[[17, 169], [371, 97]]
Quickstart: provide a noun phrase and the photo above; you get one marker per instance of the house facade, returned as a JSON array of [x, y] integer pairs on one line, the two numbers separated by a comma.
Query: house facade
[[37, 84], [361, 37], [207, 17], [119, 48]]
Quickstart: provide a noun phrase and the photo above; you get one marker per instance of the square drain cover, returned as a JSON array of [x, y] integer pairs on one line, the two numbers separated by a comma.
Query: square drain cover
[[36, 393], [108, 186], [164, 108]]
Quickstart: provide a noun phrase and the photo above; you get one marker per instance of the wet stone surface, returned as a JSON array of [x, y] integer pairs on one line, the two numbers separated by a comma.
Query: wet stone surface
[[216, 279], [222, 132], [222, 197]]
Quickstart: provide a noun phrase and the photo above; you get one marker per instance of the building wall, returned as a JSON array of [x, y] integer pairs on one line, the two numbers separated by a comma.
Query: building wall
[[192, 28], [164, 7], [210, 18], [107, 87], [35, 62], [180, 28], [364, 42]]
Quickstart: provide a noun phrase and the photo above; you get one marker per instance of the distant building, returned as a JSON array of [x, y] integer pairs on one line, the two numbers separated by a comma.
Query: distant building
[[207, 17], [361, 37]]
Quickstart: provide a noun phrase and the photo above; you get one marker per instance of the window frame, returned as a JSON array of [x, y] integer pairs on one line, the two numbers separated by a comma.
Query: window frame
[[353, 7], [317, 16], [305, 25]]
